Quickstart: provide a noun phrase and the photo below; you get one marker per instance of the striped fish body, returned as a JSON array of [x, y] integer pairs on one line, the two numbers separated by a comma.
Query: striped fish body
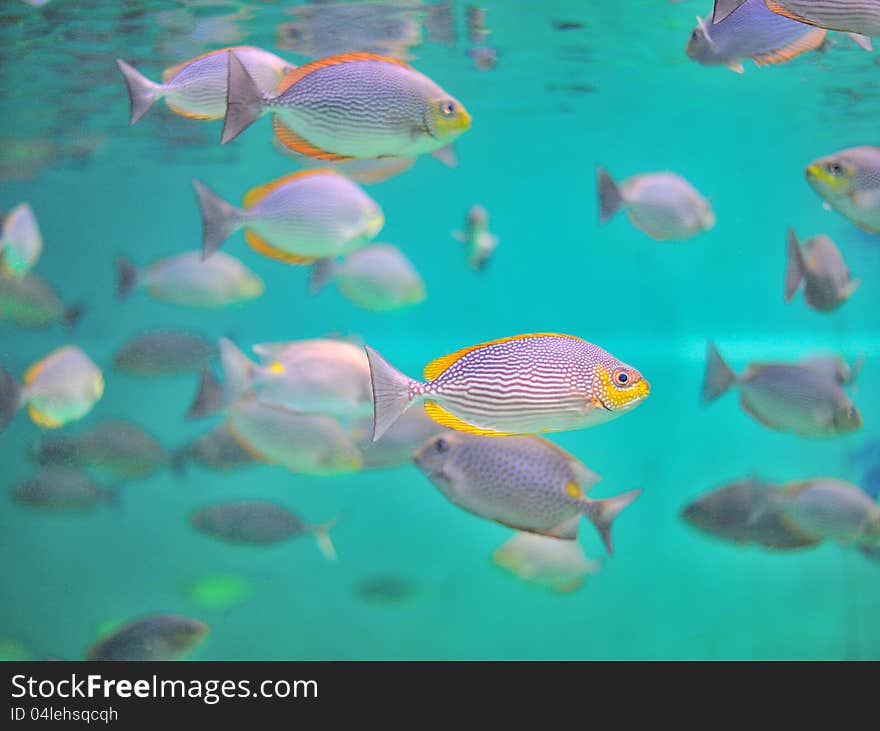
[[188, 280], [827, 282], [832, 509], [197, 88], [849, 181], [313, 214], [848, 16], [365, 107]]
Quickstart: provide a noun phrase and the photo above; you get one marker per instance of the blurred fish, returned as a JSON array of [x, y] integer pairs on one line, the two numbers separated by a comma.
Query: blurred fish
[[858, 18], [525, 483], [215, 450], [827, 280], [354, 105], [743, 512], [868, 458], [663, 205], [836, 367], [397, 445], [319, 376], [31, 303], [377, 277], [61, 489], [556, 564], [786, 397], [259, 522], [387, 590], [476, 22], [113, 450], [753, 32], [21, 243], [479, 242], [523, 384], [163, 353], [294, 219], [310, 444], [219, 591], [196, 88], [187, 279], [484, 57], [849, 182], [832, 509], [156, 637], [60, 388]]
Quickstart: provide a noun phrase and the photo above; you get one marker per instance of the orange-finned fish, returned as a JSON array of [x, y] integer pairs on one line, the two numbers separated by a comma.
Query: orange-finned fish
[[354, 105], [524, 384]]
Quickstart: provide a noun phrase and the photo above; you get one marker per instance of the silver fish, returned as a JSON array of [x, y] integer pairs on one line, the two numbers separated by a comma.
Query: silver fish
[[557, 564], [827, 280], [156, 637], [849, 182], [63, 489]]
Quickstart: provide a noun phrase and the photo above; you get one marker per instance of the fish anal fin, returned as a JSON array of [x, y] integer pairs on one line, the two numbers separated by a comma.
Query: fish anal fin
[[184, 113], [809, 41], [567, 530], [443, 417], [40, 418], [261, 246], [292, 141]]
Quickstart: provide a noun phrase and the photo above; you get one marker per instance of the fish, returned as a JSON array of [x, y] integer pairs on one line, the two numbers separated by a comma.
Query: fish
[[352, 105], [663, 205], [21, 242], [155, 637], [377, 277], [485, 58], [540, 382], [836, 367], [62, 489], [158, 353], [859, 19], [60, 388], [476, 22], [832, 509], [753, 32], [187, 279], [387, 590], [216, 450], [196, 88], [294, 219], [826, 278], [259, 522], [550, 562], [746, 512], [397, 445], [479, 242], [114, 450], [30, 302], [524, 482], [311, 444], [786, 397], [849, 182], [219, 591], [315, 376]]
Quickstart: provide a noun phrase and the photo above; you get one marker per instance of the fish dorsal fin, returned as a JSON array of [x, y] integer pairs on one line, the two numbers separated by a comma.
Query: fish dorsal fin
[[785, 12], [584, 476], [705, 28], [292, 141], [793, 488], [256, 194], [172, 71], [439, 365], [33, 372], [442, 416], [261, 246], [297, 74], [809, 41], [40, 418]]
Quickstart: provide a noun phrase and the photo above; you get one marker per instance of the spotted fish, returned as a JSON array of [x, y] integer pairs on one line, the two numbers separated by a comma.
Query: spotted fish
[[523, 384], [826, 278]]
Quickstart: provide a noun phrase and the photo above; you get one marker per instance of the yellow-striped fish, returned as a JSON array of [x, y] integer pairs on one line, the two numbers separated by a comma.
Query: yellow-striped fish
[[523, 384], [196, 88], [353, 105]]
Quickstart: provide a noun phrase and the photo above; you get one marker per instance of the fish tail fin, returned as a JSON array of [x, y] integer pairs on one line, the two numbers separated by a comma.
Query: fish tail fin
[[610, 198], [794, 266], [10, 398], [321, 273], [219, 218], [142, 92], [244, 100], [178, 461], [459, 236], [602, 514], [392, 394], [209, 397], [719, 376], [72, 315], [126, 277], [723, 8], [321, 533], [238, 369]]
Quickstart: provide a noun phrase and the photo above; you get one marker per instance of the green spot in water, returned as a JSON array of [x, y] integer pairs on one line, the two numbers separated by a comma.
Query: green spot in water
[[219, 590]]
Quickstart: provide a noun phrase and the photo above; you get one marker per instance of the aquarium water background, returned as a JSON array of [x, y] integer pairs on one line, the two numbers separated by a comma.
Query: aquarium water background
[[576, 84]]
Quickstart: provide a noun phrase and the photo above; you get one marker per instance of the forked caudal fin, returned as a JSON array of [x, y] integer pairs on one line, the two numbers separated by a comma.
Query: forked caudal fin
[[208, 399], [719, 376], [610, 198], [126, 277], [391, 393], [321, 273], [238, 370], [142, 92], [794, 266], [322, 537], [244, 100], [602, 514], [10, 398], [219, 218]]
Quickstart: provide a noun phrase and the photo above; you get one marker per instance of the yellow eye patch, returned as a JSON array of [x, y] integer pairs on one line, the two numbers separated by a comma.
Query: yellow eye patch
[[615, 397], [838, 182]]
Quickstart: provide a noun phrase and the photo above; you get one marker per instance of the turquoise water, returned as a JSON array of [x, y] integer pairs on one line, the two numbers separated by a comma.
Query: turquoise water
[[618, 92]]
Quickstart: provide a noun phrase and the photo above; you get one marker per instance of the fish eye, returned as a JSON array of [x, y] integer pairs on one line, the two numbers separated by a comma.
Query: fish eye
[[621, 377], [447, 109], [441, 445], [695, 34], [835, 168]]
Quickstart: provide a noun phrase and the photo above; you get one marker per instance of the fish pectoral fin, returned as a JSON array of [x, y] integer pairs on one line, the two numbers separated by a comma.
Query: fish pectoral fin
[[851, 286], [292, 141], [569, 586], [809, 41], [184, 113], [566, 530], [443, 417], [736, 67]]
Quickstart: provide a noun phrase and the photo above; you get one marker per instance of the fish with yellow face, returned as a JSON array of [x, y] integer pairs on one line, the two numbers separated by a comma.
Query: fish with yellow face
[[849, 182]]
